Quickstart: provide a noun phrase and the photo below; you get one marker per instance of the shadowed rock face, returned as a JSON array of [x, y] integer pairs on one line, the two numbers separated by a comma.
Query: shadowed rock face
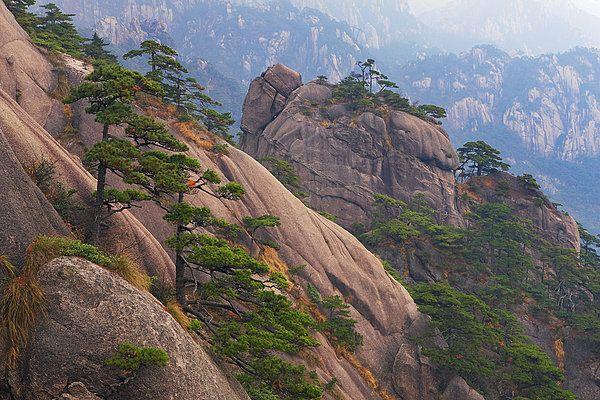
[[24, 212], [344, 158], [90, 312]]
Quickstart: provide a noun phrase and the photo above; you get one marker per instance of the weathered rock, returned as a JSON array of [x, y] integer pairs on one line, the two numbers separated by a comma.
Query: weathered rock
[[24, 212], [343, 158], [90, 312], [78, 391], [283, 79], [458, 389], [267, 96]]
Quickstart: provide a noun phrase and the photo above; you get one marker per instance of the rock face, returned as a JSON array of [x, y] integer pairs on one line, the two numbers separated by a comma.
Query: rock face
[[459, 390], [25, 212], [23, 115], [344, 158], [90, 312], [267, 96]]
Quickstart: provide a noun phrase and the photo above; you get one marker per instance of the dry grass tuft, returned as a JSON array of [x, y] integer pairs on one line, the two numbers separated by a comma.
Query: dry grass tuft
[[364, 372], [174, 308], [196, 133], [46, 248], [270, 256], [129, 270], [22, 300]]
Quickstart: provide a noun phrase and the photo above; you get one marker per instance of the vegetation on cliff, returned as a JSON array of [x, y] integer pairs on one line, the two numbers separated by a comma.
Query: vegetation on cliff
[[494, 265], [371, 90]]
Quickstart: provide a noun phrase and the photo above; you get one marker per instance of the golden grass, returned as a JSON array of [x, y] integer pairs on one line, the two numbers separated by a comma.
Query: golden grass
[[21, 302], [193, 131], [364, 372], [22, 298], [46, 248], [559, 350], [129, 270], [174, 308], [270, 256]]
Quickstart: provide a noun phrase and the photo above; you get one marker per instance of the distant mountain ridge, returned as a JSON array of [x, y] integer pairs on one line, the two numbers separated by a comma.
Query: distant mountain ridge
[[542, 112]]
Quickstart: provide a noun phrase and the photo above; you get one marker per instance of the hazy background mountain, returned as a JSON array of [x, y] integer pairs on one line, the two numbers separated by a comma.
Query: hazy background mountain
[[530, 95]]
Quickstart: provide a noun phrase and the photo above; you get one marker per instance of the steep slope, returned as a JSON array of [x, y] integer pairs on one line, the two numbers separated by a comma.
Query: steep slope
[[344, 157], [241, 39], [335, 262], [31, 143], [25, 213], [330, 147]]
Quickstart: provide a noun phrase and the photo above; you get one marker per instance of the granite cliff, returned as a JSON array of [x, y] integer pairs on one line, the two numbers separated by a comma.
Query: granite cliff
[[343, 157]]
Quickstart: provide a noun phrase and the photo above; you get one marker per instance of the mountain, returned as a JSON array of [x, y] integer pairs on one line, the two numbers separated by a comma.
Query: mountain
[[542, 112], [92, 308], [386, 175], [529, 26], [376, 23]]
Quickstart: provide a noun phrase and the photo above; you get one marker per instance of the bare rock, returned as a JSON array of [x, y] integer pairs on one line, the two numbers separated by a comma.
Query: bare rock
[[283, 79], [458, 389], [90, 312], [78, 391], [267, 96], [24, 212]]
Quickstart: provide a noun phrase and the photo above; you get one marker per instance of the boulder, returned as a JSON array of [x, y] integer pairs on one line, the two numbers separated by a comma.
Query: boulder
[[458, 389], [90, 312], [267, 96]]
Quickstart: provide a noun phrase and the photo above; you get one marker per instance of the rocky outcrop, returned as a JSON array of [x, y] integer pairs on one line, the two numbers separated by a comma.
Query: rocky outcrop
[[89, 313], [267, 96], [343, 158], [458, 389], [530, 204]]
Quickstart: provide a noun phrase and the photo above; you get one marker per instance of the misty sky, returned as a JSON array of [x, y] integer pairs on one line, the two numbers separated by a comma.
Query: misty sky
[[419, 6]]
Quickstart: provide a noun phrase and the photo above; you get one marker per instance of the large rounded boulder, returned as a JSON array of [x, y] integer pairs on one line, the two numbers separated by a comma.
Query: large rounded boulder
[[90, 312]]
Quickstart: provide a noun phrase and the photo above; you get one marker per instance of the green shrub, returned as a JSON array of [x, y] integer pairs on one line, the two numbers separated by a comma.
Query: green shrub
[[130, 358]]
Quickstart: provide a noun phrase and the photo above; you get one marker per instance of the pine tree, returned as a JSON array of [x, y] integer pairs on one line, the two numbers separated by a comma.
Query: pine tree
[[110, 90], [161, 58], [19, 8], [480, 158], [57, 32], [94, 49], [181, 90]]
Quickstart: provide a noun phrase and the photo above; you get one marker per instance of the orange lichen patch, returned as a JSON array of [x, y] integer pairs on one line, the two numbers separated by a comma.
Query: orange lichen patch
[[325, 123], [196, 134], [365, 373], [559, 351]]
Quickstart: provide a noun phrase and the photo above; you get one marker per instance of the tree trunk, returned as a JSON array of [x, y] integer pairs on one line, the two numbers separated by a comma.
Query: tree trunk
[[99, 200], [180, 264]]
